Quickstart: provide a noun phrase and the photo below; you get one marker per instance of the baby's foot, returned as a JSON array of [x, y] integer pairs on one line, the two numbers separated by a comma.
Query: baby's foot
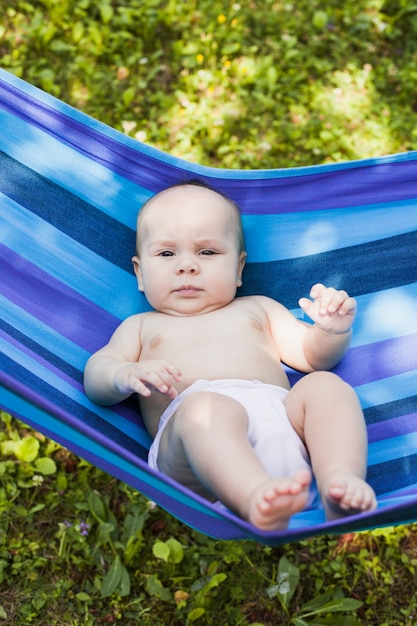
[[275, 501], [347, 494]]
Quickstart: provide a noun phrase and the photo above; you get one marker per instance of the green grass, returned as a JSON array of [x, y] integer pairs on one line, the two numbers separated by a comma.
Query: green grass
[[249, 84]]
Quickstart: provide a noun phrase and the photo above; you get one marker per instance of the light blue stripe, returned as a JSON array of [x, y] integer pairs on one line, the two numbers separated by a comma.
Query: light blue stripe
[[134, 431], [386, 315], [61, 164], [45, 336], [387, 390], [91, 275], [392, 448], [292, 235]]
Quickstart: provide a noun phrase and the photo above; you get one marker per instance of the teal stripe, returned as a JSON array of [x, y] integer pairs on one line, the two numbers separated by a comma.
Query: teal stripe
[[289, 235], [83, 177], [91, 275]]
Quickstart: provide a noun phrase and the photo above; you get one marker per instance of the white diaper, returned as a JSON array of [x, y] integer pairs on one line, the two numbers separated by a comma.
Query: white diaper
[[270, 433]]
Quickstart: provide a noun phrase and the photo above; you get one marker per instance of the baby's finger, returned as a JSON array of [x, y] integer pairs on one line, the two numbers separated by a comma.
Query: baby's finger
[[173, 370], [336, 300], [348, 306], [326, 299], [317, 290]]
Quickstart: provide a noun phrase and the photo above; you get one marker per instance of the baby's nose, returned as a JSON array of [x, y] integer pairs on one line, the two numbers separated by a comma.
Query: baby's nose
[[187, 265]]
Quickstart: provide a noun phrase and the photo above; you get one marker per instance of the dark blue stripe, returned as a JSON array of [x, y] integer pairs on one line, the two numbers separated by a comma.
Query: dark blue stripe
[[360, 269], [394, 475], [390, 410], [81, 221]]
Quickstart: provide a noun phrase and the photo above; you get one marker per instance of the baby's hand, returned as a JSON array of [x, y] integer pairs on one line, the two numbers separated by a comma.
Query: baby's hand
[[147, 376], [333, 311]]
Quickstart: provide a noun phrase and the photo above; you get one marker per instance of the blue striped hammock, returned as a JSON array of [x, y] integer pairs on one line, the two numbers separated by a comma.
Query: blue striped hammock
[[70, 189]]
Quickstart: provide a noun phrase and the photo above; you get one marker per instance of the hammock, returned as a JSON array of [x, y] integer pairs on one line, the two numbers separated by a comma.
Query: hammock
[[70, 189]]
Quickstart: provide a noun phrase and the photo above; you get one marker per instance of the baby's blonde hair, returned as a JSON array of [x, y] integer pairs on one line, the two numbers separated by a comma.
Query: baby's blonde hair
[[240, 238]]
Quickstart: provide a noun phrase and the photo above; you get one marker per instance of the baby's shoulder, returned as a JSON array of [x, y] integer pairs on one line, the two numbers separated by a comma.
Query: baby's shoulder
[[263, 303]]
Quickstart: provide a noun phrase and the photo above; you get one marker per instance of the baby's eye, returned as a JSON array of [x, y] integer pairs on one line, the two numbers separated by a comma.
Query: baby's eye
[[166, 253], [207, 252]]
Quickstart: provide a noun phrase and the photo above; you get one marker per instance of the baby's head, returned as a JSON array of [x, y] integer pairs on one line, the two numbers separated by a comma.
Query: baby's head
[[197, 185], [190, 250]]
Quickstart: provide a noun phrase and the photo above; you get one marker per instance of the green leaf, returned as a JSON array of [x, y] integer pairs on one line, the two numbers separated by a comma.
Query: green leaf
[[334, 620], [161, 551], [128, 96], [3, 614], [124, 582], [176, 551], [215, 581], [288, 577], [320, 19], [27, 449], [334, 606], [106, 13], [97, 507], [104, 532], [45, 465], [155, 588], [112, 579], [195, 614], [83, 597]]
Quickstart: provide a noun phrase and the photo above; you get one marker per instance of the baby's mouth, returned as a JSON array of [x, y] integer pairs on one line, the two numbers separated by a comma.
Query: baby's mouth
[[188, 290]]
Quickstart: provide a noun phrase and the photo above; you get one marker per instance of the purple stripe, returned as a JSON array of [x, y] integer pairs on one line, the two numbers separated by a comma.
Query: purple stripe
[[379, 360], [374, 361], [402, 425], [323, 189], [53, 303]]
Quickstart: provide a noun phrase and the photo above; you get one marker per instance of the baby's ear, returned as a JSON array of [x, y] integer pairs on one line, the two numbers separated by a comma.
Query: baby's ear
[[138, 272], [242, 260]]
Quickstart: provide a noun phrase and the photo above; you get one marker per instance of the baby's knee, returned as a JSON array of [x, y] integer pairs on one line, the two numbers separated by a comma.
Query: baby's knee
[[327, 382]]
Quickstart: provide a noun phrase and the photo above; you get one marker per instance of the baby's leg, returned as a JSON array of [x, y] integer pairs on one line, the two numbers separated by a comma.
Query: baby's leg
[[326, 413], [205, 447]]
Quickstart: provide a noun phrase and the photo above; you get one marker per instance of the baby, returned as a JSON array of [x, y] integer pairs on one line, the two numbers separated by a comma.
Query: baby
[[206, 366]]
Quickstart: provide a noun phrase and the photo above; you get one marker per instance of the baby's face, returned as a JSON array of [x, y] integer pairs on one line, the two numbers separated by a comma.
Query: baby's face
[[188, 262]]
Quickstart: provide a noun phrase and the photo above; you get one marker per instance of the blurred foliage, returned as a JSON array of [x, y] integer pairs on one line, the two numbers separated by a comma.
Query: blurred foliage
[[250, 84]]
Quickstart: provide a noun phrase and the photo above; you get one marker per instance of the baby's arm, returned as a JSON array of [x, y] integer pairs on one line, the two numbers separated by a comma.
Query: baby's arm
[[318, 346], [114, 372]]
